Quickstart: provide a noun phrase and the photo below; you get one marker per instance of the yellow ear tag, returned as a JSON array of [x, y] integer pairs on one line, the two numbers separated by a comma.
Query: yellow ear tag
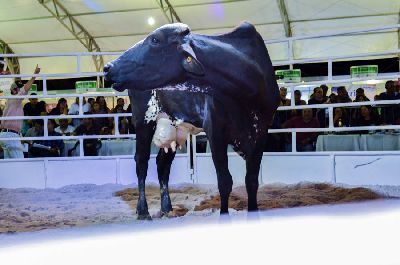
[[189, 59]]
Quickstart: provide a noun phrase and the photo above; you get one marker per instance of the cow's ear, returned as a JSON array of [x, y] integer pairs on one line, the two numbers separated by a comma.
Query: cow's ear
[[190, 62]]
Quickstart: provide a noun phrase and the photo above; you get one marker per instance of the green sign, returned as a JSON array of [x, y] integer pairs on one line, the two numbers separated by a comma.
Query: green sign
[[105, 90], [288, 75], [85, 86], [33, 88], [364, 70]]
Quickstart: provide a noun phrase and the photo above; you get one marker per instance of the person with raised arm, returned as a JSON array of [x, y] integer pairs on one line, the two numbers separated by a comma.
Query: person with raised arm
[[12, 128]]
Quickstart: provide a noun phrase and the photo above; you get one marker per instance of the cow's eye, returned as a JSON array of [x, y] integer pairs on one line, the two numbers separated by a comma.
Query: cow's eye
[[154, 40]]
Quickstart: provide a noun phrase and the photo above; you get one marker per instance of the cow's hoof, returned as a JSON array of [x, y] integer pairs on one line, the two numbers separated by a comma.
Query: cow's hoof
[[144, 217], [252, 209], [225, 218], [161, 214], [253, 216], [224, 212]]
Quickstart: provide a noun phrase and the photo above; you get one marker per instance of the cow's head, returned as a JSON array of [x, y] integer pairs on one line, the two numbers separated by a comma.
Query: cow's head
[[163, 58]]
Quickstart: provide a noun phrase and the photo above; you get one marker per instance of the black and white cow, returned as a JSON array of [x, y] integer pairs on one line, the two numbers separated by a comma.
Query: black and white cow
[[224, 84]]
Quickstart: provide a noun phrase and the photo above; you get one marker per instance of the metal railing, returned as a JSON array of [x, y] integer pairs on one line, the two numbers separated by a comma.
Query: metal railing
[[329, 80]]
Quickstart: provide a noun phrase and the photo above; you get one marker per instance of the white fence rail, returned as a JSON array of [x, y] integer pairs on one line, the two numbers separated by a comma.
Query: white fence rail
[[330, 79]]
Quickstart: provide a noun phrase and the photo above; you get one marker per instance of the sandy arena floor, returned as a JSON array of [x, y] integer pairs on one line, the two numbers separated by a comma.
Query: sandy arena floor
[[84, 205]]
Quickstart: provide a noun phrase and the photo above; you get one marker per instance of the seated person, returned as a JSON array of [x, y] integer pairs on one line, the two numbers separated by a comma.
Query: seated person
[[100, 122], [284, 115], [318, 98], [47, 148], [342, 95], [340, 117], [74, 110], [304, 141], [283, 93], [64, 128], [297, 101], [61, 108], [123, 123], [390, 113], [87, 127], [36, 130], [367, 117], [325, 89], [120, 104], [360, 95], [33, 108]]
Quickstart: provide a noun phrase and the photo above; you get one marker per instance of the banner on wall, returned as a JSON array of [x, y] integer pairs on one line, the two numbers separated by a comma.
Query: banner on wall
[[369, 90]]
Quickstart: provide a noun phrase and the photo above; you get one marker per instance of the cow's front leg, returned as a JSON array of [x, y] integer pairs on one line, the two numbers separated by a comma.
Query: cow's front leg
[[144, 135], [164, 162]]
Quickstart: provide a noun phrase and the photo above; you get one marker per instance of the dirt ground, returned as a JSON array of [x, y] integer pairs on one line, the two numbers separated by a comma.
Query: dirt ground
[[184, 199], [288, 196], [24, 210], [269, 197]]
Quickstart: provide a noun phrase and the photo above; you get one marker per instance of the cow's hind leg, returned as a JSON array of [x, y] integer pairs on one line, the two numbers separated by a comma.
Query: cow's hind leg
[[224, 177], [164, 162], [252, 171], [217, 136]]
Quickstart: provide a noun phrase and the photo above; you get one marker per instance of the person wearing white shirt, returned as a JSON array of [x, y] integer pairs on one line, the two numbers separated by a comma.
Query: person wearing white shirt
[[64, 128], [74, 110]]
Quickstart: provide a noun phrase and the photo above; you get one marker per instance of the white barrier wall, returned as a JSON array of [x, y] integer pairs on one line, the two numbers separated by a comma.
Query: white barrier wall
[[290, 169], [205, 170], [294, 169], [58, 173], [286, 169], [368, 170], [22, 174]]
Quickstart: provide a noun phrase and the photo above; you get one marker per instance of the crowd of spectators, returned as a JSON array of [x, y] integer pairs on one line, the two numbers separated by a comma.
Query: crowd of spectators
[[67, 126], [342, 116], [301, 118]]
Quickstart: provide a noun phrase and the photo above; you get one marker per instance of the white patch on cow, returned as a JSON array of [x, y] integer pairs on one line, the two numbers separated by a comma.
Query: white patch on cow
[[153, 108], [255, 122], [178, 121], [255, 117], [185, 87], [236, 143]]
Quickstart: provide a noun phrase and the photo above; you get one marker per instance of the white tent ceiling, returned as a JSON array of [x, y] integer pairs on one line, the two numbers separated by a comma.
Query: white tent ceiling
[[27, 27]]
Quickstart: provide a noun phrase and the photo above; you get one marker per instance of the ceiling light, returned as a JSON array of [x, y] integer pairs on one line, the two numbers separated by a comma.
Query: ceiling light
[[151, 21]]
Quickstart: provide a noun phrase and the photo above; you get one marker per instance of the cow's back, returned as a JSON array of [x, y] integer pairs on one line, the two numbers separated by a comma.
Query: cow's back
[[246, 40]]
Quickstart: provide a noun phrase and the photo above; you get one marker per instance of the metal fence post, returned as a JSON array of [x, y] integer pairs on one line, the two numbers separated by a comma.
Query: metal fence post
[[294, 142], [81, 150], [333, 170]]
